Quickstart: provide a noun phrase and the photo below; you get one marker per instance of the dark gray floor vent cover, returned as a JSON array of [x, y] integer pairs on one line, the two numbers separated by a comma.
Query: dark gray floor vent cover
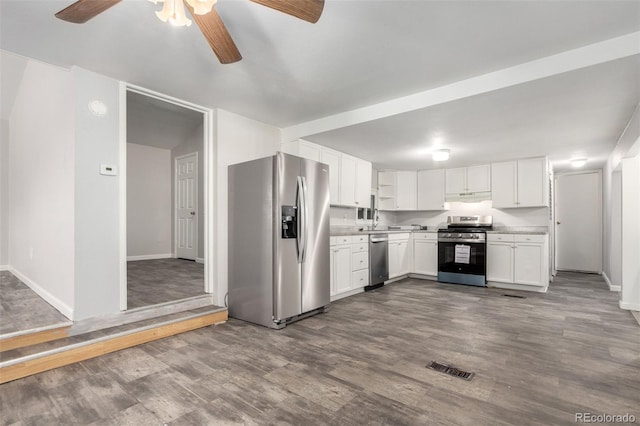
[[517, 296], [451, 371]]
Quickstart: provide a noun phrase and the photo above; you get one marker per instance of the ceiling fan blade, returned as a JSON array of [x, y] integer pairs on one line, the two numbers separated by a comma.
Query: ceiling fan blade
[[308, 10], [217, 35], [83, 10]]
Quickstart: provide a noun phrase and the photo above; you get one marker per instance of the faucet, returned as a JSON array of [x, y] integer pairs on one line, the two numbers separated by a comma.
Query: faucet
[[375, 220]]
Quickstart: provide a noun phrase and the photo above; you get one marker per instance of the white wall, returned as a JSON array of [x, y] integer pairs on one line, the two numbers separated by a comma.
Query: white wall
[[630, 294], [149, 202], [194, 143], [41, 195], [4, 194], [612, 239], [97, 221], [238, 139]]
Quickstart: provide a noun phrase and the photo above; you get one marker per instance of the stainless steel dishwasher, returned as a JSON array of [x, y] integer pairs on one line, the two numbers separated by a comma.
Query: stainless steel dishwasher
[[378, 260]]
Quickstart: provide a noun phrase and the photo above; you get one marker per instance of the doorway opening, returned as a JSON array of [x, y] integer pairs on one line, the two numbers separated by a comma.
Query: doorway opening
[[166, 158]]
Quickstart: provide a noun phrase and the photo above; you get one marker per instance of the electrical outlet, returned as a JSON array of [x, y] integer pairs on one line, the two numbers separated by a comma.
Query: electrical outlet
[[30, 253]]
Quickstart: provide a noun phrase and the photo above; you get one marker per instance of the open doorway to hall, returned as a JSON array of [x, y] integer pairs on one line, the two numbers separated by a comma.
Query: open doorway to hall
[[165, 202]]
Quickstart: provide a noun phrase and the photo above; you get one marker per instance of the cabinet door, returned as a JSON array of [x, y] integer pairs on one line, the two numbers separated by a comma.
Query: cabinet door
[[332, 158], [394, 259], [456, 180], [342, 269], [406, 190], [528, 264], [308, 150], [479, 178], [500, 262], [533, 183], [504, 178], [404, 258], [347, 180], [431, 189], [387, 190], [363, 184], [425, 257]]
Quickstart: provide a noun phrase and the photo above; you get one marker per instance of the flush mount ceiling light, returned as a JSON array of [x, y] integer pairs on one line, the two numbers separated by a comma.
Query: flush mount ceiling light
[[578, 162], [97, 108], [440, 155]]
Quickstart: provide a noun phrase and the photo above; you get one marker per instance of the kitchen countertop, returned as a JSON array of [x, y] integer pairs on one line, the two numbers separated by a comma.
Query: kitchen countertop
[[347, 230]]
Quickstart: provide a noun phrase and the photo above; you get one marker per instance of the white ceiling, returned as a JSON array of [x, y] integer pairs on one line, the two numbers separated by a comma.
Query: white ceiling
[[363, 52]]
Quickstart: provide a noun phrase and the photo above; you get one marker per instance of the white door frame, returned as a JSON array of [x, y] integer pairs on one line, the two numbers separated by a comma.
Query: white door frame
[[600, 221], [209, 174], [175, 204]]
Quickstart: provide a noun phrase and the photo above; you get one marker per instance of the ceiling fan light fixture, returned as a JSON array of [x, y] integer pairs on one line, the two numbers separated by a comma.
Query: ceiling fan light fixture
[[173, 12], [201, 7], [440, 155]]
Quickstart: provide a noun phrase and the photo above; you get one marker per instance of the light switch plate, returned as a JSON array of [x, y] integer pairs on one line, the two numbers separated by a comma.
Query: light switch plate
[[108, 170]]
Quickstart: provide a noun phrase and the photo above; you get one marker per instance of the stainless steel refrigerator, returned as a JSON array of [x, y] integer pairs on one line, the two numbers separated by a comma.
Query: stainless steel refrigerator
[[278, 239]]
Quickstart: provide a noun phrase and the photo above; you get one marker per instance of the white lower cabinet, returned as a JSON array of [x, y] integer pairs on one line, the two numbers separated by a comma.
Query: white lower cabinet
[[399, 254], [518, 259], [425, 253], [340, 269], [349, 264]]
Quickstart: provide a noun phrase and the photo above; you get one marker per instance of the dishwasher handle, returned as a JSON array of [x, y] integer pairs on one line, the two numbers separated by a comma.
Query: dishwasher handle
[[379, 240]]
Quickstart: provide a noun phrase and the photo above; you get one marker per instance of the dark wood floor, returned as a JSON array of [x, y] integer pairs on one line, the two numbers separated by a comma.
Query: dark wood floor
[[22, 309], [538, 360], [150, 282]]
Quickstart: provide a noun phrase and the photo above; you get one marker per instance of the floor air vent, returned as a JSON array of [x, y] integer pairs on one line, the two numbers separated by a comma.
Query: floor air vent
[[517, 296], [451, 371]]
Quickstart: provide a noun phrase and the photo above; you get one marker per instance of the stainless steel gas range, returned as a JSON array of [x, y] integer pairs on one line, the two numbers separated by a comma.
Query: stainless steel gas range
[[462, 250]]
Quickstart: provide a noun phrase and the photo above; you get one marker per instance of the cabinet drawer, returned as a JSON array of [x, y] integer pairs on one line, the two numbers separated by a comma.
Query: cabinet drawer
[[360, 247], [500, 237], [359, 261], [425, 236], [401, 236], [360, 238], [340, 240], [360, 278], [522, 238]]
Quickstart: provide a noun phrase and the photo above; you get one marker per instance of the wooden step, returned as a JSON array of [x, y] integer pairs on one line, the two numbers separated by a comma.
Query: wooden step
[[45, 356], [34, 336]]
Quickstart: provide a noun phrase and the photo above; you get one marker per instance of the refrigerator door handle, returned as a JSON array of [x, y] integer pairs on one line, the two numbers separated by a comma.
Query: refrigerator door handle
[[301, 236], [305, 217]]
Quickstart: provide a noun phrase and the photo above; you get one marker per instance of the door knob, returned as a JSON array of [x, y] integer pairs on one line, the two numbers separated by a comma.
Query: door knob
[[558, 223], [192, 213]]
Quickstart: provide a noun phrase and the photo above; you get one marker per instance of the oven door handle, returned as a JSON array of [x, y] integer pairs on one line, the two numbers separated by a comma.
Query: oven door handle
[[463, 241]]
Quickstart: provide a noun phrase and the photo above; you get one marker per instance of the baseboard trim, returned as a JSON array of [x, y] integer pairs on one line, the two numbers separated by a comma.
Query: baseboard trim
[[346, 294], [4, 268], [612, 287], [523, 287], [200, 260], [64, 309], [629, 306], [150, 257]]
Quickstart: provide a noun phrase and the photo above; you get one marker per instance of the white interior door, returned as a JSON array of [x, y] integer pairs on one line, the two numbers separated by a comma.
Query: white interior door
[[186, 206], [579, 222]]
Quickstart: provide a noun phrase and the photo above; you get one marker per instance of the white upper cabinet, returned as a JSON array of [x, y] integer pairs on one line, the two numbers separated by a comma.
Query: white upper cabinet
[[468, 183], [349, 177], [397, 190], [332, 158], [431, 190], [520, 183], [303, 149], [347, 180], [363, 183], [407, 191]]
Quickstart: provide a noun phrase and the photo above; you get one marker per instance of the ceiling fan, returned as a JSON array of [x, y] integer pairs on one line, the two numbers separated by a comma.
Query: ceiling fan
[[204, 14]]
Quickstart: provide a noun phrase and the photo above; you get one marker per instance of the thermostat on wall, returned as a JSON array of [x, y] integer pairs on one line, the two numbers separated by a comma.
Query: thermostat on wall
[[108, 170]]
